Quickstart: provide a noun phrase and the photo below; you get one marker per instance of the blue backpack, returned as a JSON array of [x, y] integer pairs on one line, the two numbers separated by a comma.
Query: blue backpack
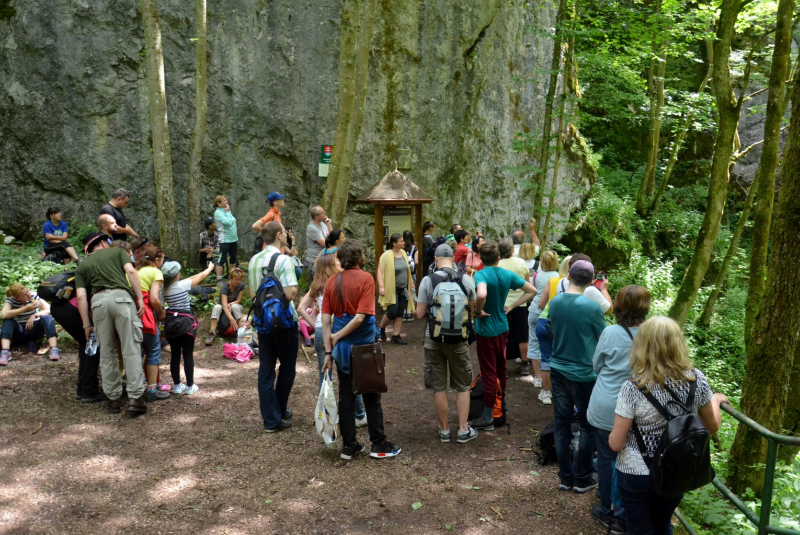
[[272, 311]]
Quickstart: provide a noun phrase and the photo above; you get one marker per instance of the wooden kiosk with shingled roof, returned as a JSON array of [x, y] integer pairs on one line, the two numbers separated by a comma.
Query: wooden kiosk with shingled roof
[[394, 191]]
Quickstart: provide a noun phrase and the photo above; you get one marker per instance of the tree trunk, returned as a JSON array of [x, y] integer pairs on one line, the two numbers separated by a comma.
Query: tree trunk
[[159, 126], [673, 157], [729, 109], [791, 416], [200, 115], [356, 39], [649, 181], [544, 154], [705, 319], [773, 340], [765, 174]]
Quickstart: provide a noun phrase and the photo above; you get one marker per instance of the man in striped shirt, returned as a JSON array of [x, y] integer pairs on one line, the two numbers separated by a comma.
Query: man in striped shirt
[[280, 345]]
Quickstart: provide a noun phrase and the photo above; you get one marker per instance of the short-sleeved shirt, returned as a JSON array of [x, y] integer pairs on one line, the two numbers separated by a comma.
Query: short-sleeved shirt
[[632, 404], [400, 273], [591, 292], [119, 217], [498, 282], [358, 290], [577, 323], [461, 253], [518, 266], [284, 269], [425, 290], [315, 232], [50, 228], [148, 275], [612, 364], [22, 318], [177, 295], [272, 215], [232, 295], [540, 282], [104, 270]]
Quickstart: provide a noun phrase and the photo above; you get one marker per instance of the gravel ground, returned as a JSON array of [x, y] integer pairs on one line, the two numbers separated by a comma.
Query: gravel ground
[[203, 464]]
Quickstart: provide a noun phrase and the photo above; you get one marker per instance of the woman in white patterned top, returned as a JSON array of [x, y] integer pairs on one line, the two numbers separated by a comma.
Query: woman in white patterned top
[[659, 365]]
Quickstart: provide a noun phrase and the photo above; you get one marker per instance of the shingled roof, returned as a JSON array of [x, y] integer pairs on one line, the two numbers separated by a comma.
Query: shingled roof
[[395, 188]]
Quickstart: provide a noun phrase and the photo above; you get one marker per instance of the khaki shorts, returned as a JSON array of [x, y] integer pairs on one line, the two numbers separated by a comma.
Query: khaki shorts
[[438, 358]]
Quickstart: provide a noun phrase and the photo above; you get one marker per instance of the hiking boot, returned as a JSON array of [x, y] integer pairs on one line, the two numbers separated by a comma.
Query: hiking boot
[[348, 452], [546, 397], [154, 394], [466, 436], [115, 405], [399, 341], [537, 382], [479, 424], [137, 406], [444, 436], [383, 335], [284, 424], [586, 487], [212, 335], [604, 519], [289, 413], [99, 397], [5, 357], [385, 450]]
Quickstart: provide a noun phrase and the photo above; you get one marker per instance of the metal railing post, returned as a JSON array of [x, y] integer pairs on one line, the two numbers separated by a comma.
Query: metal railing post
[[766, 493]]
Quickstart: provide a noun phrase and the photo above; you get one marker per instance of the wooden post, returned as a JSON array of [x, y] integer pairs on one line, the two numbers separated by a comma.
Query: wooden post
[[378, 239], [418, 238]]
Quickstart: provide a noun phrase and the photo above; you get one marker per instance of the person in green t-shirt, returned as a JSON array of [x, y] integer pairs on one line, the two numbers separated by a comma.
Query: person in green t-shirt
[[493, 284], [577, 323]]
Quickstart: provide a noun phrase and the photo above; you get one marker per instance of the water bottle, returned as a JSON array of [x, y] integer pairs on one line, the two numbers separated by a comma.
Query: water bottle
[[91, 345]]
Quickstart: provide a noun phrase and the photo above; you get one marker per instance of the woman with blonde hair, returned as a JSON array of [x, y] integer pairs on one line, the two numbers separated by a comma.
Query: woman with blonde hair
[[527, 252], [26, 318], [540, 279], [660, 368], [395, 284], [226, 230]]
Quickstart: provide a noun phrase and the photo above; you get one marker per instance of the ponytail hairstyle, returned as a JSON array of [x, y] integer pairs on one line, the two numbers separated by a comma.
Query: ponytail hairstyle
[[150, 256]]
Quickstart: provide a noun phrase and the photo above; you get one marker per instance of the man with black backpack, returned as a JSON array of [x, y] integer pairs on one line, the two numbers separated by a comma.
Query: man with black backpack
[[447, 300], [273, 285]]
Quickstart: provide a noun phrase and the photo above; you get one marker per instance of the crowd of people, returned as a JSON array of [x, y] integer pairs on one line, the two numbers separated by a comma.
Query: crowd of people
[[515, 302]]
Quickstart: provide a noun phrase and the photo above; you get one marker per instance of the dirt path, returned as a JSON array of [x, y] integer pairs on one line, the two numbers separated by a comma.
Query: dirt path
[[202, 464]]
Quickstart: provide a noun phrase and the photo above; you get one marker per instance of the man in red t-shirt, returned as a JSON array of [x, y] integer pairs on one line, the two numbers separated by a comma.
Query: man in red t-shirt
[[357, 299], [462, 239]]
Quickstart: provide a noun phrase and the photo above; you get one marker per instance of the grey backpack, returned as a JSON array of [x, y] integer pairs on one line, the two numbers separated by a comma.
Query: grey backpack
[[449, 319]]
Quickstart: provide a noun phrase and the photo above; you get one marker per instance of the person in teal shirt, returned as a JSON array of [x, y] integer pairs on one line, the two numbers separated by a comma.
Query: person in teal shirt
[[577, 323], [492, 284], [226, 230]]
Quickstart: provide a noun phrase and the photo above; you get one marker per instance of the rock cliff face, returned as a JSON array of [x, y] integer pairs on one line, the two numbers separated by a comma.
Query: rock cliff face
[[452, 81]]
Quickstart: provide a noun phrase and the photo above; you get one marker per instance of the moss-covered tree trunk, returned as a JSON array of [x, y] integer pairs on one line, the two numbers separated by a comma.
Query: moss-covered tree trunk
[[547, 125], [656, 113], [728, 107], [159, 127], [772, 342], [791, 416], [356, 39], [200, 115], [767, 166]]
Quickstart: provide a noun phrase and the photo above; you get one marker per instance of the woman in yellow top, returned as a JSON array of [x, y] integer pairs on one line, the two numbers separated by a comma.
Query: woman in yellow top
[[151, 278], [395, 285]]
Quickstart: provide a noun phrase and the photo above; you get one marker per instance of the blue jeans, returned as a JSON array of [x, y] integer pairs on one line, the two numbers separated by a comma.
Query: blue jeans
[[646, 512], [606, 459], [566, 395], [152, 348], [274, 389], [44, 326], [544, 334], [319, 346]]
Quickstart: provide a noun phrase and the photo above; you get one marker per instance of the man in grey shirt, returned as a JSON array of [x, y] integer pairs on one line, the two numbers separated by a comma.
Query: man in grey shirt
[[316, 232], [441, 356]]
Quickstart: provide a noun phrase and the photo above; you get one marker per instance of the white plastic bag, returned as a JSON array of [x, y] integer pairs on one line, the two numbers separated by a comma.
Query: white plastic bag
[[326, 417]]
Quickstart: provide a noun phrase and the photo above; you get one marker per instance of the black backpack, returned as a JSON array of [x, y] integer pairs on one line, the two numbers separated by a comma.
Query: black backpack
[[547, 441], [682, 461], [258, 244], [52, 285], [429, 253]]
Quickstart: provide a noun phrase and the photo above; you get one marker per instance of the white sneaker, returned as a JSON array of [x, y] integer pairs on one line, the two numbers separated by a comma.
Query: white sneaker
[[179, 388], [546, 397], [518, 360], [191, 389], [537, 383], [361, 422]]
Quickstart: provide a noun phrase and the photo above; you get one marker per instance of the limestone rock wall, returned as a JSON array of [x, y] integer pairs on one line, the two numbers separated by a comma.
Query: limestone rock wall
[[452, 81]]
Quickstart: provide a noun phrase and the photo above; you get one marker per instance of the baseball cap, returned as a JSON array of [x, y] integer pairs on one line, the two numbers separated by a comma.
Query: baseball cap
[[582, 269], [208, 222], [91, 238], [443, 251], [170, 269], [274, 196]]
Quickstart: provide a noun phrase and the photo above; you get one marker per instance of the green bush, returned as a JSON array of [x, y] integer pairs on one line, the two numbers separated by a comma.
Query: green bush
[[22, 265]]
